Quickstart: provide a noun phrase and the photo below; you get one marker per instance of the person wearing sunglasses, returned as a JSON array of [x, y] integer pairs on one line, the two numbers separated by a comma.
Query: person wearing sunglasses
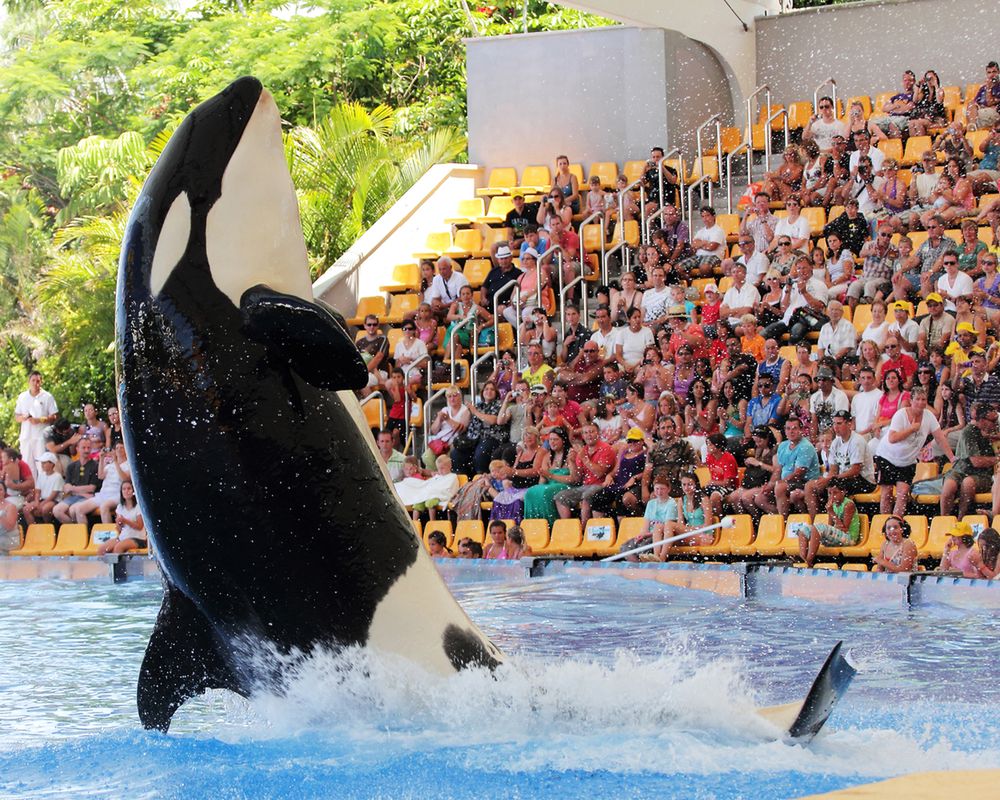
[[374, 349], [822, 127]]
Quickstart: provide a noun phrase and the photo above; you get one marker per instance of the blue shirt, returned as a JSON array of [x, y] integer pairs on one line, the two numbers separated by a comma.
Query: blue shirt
[[661, 512], [762, 412], [803, 455]]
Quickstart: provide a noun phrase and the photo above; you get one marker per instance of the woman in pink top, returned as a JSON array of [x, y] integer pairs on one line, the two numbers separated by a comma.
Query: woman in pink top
[[959, 553], [893, 399]]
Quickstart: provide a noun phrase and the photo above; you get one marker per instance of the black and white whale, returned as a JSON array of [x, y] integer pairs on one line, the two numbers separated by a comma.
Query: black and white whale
[[267, 505]]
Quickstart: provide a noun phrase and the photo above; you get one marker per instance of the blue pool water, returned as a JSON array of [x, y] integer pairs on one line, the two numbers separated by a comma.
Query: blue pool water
[[613, 688]]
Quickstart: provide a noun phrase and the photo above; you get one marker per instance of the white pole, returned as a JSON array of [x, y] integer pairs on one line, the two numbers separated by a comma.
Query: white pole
[[726, 522]]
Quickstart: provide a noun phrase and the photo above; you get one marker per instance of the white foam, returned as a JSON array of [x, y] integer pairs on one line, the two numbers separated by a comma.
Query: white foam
[[678, 712]]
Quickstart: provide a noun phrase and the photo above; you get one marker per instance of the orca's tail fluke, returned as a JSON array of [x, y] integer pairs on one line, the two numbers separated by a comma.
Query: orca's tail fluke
[[803, 720]]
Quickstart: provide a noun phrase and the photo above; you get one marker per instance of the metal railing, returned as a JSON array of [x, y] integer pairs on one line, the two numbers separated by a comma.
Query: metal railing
[[515, 294], [600, 221], [833, 96], [767, 103], [376, 395], [562, 303], [729, 171], [691, 188], [767, 135], [474, 366], [717, 119], [621, 202], [428, 403]]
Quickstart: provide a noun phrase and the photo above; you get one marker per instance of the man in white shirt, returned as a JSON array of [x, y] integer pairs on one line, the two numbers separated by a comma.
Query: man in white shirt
[[803, 291], [759, 222], [605, 335], [826, 401], [824, 126], [865, 403], [35, 409], [709, 245], [849, 460], [740, 298], [838, 338], [863, 145], [444, 288], [756, 262], [656, 300], [906, 330]]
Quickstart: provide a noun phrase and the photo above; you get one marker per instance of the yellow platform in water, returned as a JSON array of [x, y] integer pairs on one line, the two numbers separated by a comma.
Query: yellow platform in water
[[969, 785]]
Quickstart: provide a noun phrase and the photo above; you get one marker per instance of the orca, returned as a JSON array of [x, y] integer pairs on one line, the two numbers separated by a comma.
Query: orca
[[266, 504]]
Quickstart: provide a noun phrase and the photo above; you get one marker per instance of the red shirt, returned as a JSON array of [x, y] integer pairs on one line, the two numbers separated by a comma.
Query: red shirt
[[906, 366], [710, 314], [722, 468], [571, 411], [602, 454]]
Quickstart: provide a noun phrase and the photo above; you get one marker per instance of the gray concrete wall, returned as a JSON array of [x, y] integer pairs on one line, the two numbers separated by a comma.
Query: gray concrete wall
[[866, 47], [603, 94]]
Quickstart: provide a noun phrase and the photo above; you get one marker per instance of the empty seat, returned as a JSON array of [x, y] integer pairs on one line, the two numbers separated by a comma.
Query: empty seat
[[952, 96], [708, 165], [366, 306], [468, 211], [730, 223], [591, 238], [99, 534], [38, 541], [915, 146], [437, 242], [71, 541], [501, 181], [499, 207], [817, 218], [629, 528], [799, 114], [534, 180], [476, 270], [599, 538], [466, 242], [402, 304], [405, 278], [892, 148], [791, 542], [770, 539], [375, 413], [536, 534], [937, 536], [567, 535], [633, 170]]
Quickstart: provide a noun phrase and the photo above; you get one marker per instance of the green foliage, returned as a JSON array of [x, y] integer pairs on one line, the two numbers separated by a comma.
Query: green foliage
[[372, 92]]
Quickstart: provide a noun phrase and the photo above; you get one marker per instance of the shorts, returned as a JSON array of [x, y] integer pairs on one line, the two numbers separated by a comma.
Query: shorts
[[858, 485], [73, 499], [798, 483], [889, 474], [885, 120], [571, 498], [988, 117], [830, 536], [984, 483], [724, 491]]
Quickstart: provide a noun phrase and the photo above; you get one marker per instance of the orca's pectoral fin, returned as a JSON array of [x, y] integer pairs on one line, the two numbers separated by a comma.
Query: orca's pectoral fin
[[308, 335], [803, 721], [182, 660]]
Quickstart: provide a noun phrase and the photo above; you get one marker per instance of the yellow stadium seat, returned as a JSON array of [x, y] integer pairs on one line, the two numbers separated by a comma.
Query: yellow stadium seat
[[72, 539], [678, 165], [880, 100], [577, 170], [633, 170], [709, 165], [501, 180], [442, 525], [492, 235], [937, 536], [731, 139], [534, 180], [536, 534], [631, 233], [38, 541], [770, 539], [366, 306], [405, 278], [892, 148], [971, 90], [728, 538], [915, 146], [471, 529], [599, 538], [99, 534], [590, 238], [918, 531], [418, 528], [862, 317], [461, 376], [703, 475], [567, 535], [859, 550], [976, 139], [952, 96], [855, 568], [466, 242], [984, 201], [787, 352], [629, 528], [757, 138], [468, 211], [505, 336], [607, 171], [416, 412], [402, 304], [436, 244], [817, 218], [476, 270], [791, 543], [499, 207], [799, 114], [730, 223], [742, 534], [375, 413]]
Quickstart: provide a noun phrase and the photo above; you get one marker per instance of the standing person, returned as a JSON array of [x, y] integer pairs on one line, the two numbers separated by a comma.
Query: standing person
[[897, 452], [34, 410]]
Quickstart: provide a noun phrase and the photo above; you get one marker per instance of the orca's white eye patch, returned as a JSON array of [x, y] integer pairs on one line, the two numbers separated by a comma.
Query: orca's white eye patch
[[172, 243]]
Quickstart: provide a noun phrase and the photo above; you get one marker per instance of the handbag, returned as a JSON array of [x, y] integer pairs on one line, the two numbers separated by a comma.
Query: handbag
[[487, 337], [437, 446]]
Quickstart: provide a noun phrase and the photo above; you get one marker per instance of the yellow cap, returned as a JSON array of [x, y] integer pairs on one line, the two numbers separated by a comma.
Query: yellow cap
[[961, 529], [634, 435]]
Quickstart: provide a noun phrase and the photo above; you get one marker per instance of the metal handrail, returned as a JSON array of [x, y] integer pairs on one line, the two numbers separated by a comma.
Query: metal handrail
[[833, 95], [474, 366], [767, 135], [691, 189], [604, 233], [381, 408], [562, 303], [750, 98], [516, 295], [555, 250], [428, 403], [717, 119], [473, 319], [621, 201], [680, 190], [729, 171]]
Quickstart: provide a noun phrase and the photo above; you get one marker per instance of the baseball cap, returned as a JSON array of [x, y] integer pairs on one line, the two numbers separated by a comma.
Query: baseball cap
[[934, 297], [842, 414], [676, 311], [710, 287], [824, 372], [525, 252], [503, 251], [964, 327], [901, 305], [634, 435], [50, 457]]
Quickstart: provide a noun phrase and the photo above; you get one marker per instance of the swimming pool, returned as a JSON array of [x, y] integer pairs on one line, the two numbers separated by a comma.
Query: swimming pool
[[613, 688]]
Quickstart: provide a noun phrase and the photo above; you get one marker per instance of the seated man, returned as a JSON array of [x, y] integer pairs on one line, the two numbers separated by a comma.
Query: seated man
[[374, 349], [880, 263], [936, 329], [975, 459], [894, 116], [984, 110], [519, 218], [709, 245], [759, 222], [44, 497], [824, 125], [658, 173], [797, 463], [589, 464], [444, 288], [81, 483]]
